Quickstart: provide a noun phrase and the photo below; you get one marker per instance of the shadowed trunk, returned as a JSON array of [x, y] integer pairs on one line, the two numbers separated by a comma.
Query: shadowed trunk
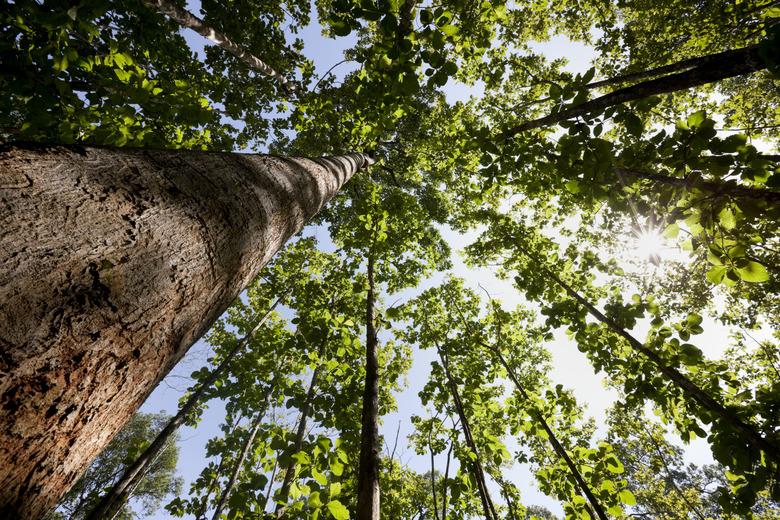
[[731, 63], [112, 264], [368, 471]]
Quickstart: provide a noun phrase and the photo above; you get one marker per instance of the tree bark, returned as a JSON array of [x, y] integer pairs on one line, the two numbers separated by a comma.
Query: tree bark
[[368, 471], [190, 21], [116, 496], [731, 64], [113, 262], [678, 66]]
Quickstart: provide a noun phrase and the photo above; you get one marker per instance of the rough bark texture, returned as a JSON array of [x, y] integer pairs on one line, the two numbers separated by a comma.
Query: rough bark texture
[[731, 64], [112, 264], [368, 471], [113, 500]]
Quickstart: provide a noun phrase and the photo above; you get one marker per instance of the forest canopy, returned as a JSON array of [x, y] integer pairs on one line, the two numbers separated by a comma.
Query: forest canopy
[[591, 182]]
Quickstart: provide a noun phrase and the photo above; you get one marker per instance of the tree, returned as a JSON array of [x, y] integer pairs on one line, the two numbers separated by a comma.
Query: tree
[[137, 471], [103, 472], [116, 303]]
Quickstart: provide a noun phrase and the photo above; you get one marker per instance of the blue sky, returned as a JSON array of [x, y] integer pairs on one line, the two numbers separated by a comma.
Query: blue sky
[[570, 366]]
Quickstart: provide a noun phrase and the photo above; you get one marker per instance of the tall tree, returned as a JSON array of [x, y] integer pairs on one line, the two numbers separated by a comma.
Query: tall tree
[[141, 252], [103, 472]]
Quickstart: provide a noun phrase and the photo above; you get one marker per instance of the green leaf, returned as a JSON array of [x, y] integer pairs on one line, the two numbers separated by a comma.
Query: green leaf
[[338, 510], [696, 119], [627, 497], [450, 30], [321, 479], [337, 468], [753, 272]]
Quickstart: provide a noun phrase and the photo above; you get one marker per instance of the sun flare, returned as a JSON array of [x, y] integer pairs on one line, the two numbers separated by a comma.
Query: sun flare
[[649, 244]]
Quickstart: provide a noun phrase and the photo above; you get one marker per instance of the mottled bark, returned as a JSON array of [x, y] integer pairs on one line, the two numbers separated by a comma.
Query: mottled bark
[[368, 471], [733, 63], [190, 21], [112, 264], [113, 500]]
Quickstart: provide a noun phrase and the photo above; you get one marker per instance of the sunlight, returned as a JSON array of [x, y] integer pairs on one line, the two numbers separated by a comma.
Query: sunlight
[[649, 245]]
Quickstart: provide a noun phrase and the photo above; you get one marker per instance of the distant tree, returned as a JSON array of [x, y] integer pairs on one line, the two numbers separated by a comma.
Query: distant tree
[[533, 512], [110, 465]]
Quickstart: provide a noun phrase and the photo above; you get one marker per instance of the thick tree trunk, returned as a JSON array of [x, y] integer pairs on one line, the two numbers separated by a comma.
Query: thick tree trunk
[[368, 471], [190, 21], [112, 264], [112, 501], [731, 64]]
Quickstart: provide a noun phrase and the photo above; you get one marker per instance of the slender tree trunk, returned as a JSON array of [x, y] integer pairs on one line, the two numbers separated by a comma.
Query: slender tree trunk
[[267, 497], [433, 479], [554, 442], [731, 64], [444, 483], [368, 471], [190, 21], [113, 262], [670, 477], [213, 484], [556, 445], [689, 388], [489, 509], [289, 471], [248, 443], [112, 501]]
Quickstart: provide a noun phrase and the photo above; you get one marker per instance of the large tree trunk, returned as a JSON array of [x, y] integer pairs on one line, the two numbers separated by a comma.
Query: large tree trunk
[[114, 498], [368, 470], [112, 264]]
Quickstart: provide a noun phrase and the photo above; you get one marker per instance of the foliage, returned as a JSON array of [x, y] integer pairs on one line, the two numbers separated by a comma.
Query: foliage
[[160, 482], [554, 194]]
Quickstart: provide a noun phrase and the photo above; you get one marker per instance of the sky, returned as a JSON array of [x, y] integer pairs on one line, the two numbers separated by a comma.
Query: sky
[[570, 367]]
